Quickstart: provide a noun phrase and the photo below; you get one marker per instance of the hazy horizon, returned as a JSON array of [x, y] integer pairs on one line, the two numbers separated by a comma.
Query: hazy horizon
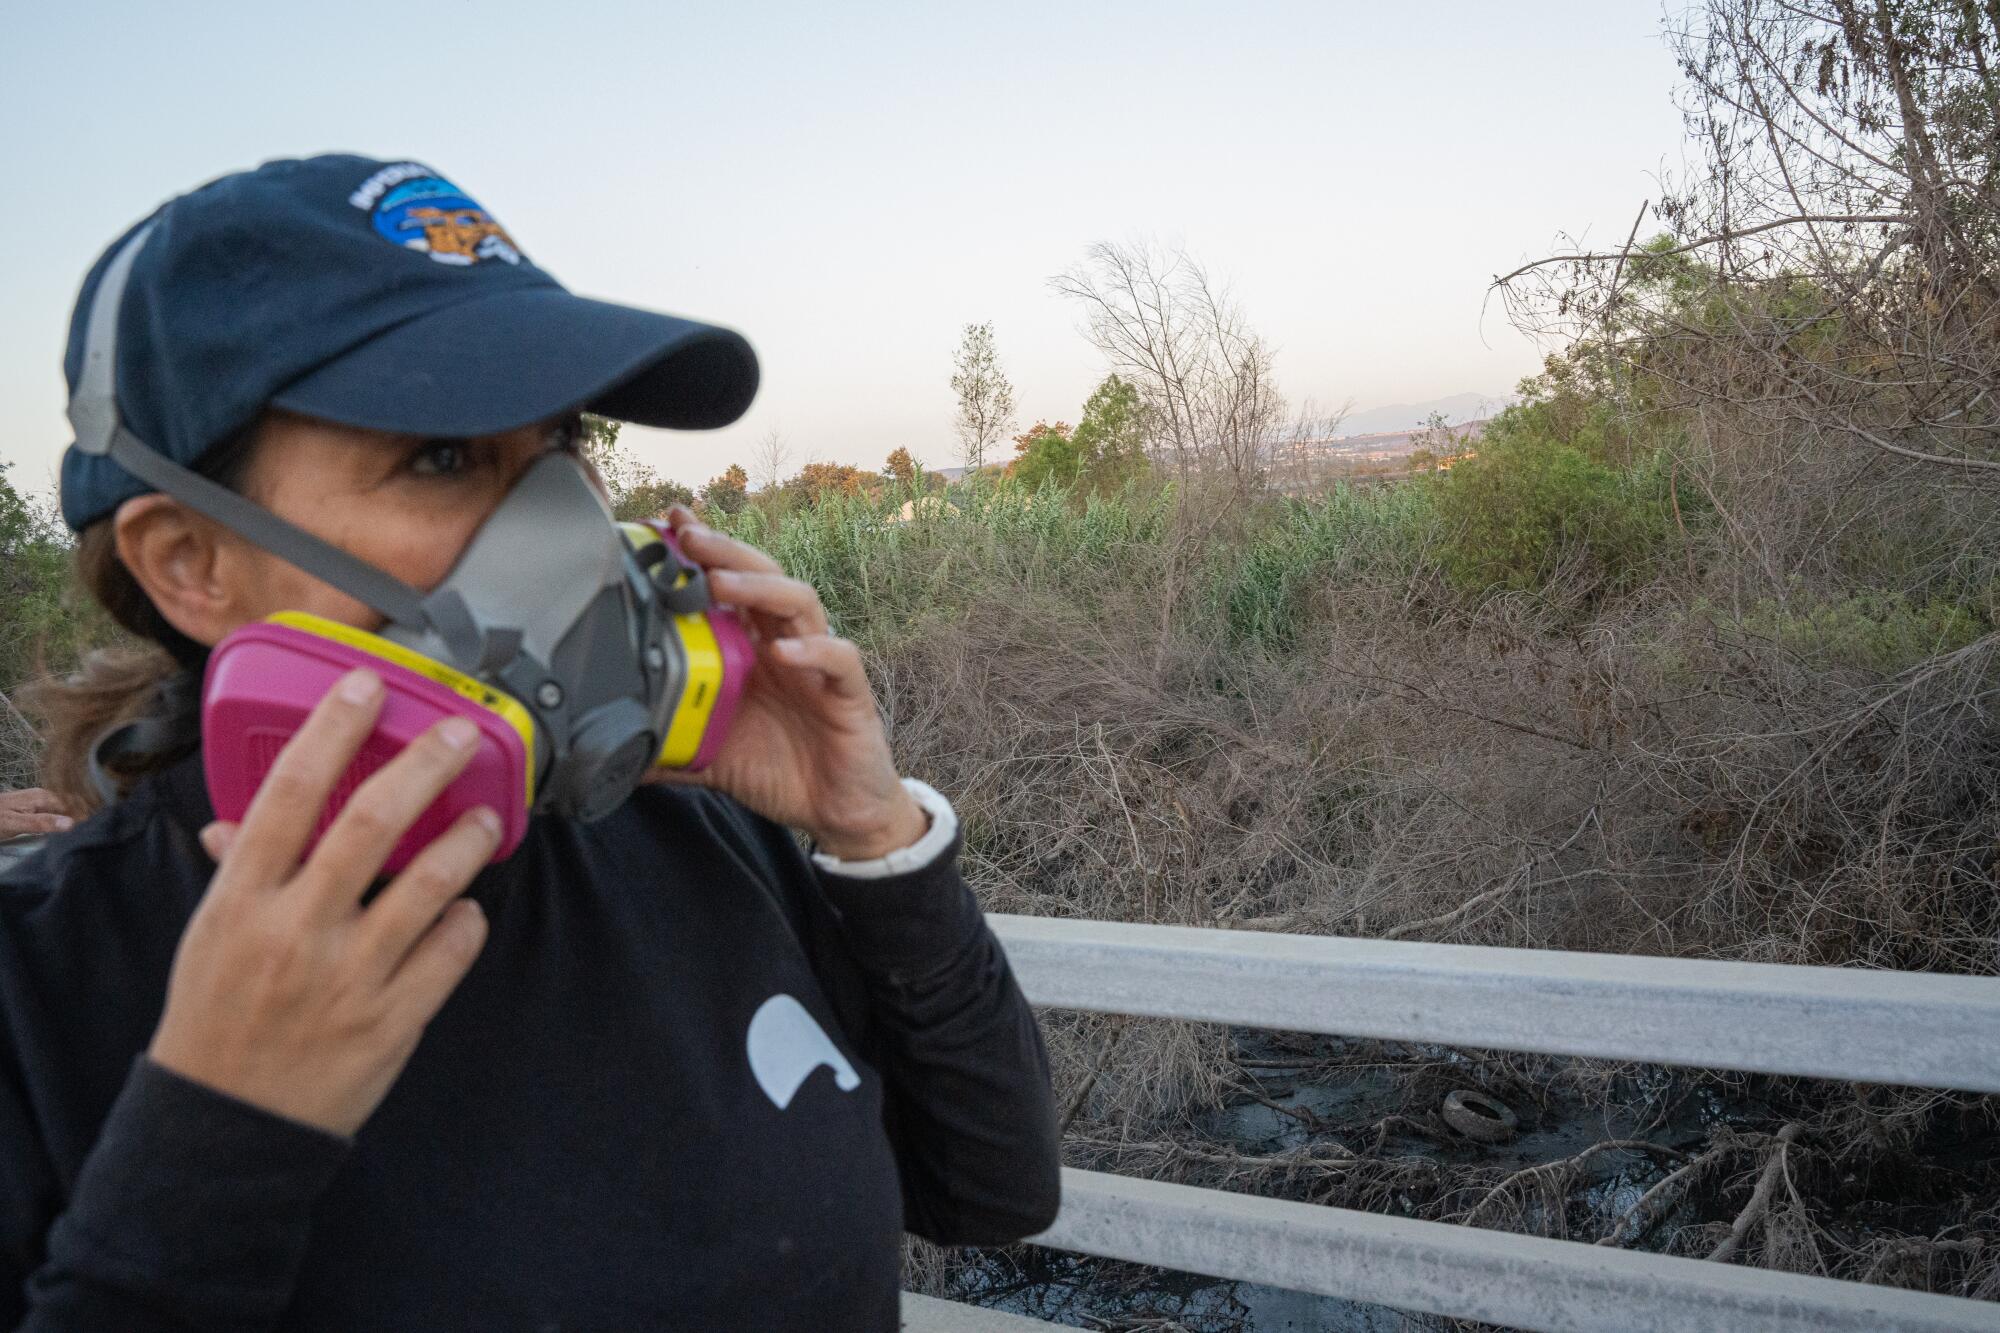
[[851, 190]]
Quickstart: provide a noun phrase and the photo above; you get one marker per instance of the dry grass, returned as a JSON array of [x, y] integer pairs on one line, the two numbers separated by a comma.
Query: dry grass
[[1367, 751]]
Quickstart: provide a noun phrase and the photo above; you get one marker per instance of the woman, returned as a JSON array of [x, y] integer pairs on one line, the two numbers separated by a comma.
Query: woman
[[659, 1070]]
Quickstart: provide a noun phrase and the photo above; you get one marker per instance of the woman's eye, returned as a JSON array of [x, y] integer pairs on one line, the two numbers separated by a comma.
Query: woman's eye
[[439, 458]]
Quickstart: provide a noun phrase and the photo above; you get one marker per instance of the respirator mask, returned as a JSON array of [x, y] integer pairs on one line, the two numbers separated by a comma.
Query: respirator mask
[[584, 650]]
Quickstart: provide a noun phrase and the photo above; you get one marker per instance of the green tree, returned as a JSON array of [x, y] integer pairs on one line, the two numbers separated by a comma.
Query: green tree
[[1110, 438], [33, 558], [637, 492], [44, 625], [816, 481], [651, 499], [1047, 454], [985, 395], [1536, 500], [729, 492], [902, 469], [600, 442]]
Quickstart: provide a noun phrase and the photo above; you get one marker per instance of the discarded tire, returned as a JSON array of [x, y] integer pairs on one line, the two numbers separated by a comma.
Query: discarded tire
[[1479, 1117]]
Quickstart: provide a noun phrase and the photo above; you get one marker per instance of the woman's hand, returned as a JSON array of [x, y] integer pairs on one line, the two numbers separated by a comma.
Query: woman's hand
[[286, 992], [30, 811], [807, 746]]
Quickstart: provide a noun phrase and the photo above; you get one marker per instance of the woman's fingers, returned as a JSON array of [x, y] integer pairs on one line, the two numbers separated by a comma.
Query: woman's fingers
[[837, 660], [287, 806], [290, 1000], [790, 602], [438, 962], [381, 811], [31, 801], [217, 838], [413, 902], [712, 550], [746, 578], [31, 810]]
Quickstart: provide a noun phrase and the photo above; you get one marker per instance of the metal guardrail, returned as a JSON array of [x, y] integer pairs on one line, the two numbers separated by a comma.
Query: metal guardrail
[[1916, 1029], [1496, 1276], [1878, 1027], [926, 1314]]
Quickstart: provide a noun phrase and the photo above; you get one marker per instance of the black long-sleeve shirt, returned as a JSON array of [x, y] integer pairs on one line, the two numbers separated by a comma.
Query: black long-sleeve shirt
[[604, 1128]]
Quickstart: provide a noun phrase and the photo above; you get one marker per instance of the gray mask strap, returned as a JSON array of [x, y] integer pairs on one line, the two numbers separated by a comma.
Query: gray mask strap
[[254, 523], [93, 413]]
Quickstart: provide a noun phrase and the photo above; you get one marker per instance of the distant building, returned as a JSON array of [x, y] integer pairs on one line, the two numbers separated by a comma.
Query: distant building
[[1377, 446]]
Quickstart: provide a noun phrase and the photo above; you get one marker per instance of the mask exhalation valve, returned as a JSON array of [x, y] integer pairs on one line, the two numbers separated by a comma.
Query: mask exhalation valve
[[609, 752]]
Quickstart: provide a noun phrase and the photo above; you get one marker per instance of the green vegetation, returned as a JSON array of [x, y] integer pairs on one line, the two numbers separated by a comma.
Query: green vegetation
[[728, 493], [41, 622], [1538, 501], [1105, 452], [38, 617], [1874, 631], [1264, 589], [636, 490]]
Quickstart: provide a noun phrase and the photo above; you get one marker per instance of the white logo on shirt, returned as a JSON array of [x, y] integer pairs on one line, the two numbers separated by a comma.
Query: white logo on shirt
[[786, 1045]]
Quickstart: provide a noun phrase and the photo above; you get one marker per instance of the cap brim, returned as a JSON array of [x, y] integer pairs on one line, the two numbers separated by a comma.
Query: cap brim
[[503, 361]]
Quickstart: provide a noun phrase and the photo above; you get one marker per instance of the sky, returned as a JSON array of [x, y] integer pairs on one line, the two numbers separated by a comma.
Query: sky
[[851, 184]]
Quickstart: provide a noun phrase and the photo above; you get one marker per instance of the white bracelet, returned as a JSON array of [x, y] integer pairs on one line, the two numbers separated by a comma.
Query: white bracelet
[[944, 827]]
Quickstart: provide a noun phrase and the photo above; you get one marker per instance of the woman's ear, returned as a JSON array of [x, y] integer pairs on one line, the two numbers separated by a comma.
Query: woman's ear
[[183, 562]]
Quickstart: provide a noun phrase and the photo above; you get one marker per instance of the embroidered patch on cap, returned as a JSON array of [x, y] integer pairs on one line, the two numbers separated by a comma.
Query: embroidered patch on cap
[[418, 209]]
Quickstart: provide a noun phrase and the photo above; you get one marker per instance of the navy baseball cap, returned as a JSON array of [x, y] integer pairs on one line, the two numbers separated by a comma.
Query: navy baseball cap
[[374, 294]]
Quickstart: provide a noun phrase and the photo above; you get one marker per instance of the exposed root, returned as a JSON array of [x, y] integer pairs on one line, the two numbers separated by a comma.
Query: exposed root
[[1760, 1198], [1556, 1178], [1656, 1202]]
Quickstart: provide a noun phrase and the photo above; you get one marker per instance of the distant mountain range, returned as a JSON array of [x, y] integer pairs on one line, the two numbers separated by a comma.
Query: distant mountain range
[[1457, 408]]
